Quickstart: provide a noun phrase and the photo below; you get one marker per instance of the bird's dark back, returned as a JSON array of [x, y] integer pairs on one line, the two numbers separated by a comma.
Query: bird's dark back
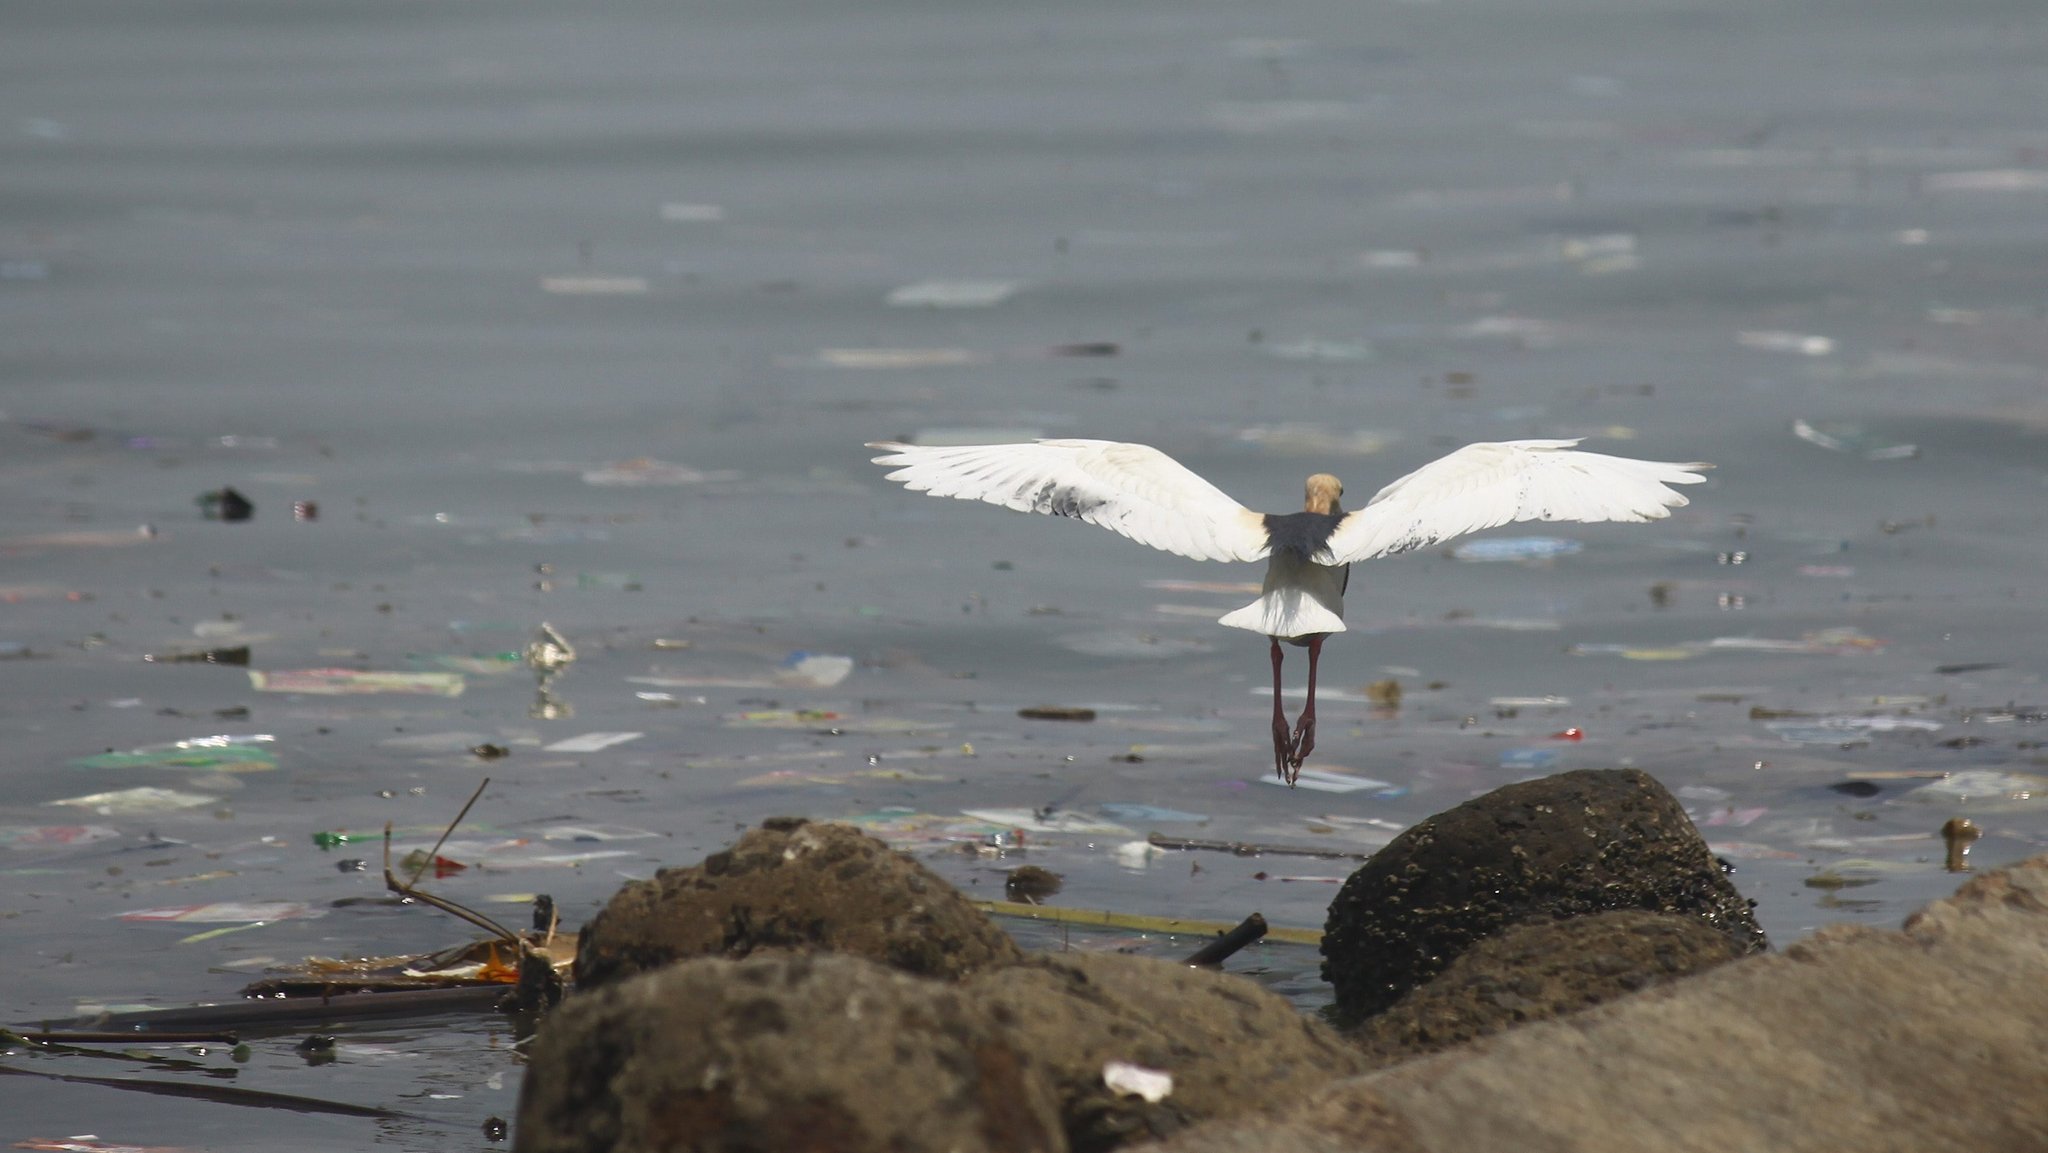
[[1304, 533]]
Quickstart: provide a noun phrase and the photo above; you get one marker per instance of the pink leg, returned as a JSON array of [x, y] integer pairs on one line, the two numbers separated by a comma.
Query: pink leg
[[1305, 730], [1283, 741]]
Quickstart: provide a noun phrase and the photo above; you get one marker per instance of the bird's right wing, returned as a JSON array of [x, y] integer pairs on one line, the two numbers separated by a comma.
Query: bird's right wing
[[1484, 485], [1132, 489]]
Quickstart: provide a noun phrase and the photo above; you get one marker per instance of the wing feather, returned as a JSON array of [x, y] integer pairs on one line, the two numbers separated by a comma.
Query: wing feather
[[1132, 489], [1484, 485]]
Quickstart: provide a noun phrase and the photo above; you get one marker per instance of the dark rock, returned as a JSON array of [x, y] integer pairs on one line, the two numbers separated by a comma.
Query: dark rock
[[792, 884], [1927, 1038], [1563, 846], [1232, 1047], [819, 1053], [1542, 969]]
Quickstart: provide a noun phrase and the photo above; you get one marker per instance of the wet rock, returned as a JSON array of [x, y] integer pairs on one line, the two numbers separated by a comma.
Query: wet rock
[[1231, 1047], [1563, 846], [827, 1054], [1923, 1039], [1542, 969], [792, 884]]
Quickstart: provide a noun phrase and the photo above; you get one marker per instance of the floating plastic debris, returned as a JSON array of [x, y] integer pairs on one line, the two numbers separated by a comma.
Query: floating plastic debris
[[549, 652], [1040, 821], [895, 358], [53, 836], [352, 682], [1316, 440], [1313, 351], [1516, 548], [222, 912], [136, 802], [646, 472], [1331, 781], [591, 742], [1140, 814], [227, 753], [813, 670], [1529, 758], [1853, 439], [1799, 343], [953, 293]]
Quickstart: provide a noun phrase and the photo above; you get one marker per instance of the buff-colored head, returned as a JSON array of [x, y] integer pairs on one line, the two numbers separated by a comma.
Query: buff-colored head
[[1323, 491]]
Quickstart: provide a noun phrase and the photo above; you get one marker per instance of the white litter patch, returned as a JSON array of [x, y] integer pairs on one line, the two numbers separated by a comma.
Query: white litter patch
[[1330, 781], [591, 742], [1154, 1085], [954, 293]]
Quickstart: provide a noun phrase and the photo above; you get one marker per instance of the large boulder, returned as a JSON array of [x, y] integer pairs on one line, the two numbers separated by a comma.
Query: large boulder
[[1562, 846], [824, 1054], [793, 884], [1542, 969], [1231, 1047], [1923, 1039]]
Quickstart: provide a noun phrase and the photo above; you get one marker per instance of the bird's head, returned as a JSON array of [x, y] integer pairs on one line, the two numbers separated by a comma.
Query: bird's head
[[1323, 491]]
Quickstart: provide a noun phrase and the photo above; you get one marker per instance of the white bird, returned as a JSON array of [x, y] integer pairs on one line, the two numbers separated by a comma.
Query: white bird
[[1144, 494]]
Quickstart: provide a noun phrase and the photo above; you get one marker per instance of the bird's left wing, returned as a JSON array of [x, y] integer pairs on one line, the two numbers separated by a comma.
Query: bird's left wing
[[1484, 485], [1132, 489]]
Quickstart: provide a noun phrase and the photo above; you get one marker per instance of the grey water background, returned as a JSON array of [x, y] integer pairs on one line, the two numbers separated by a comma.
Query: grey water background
[[462, 274]]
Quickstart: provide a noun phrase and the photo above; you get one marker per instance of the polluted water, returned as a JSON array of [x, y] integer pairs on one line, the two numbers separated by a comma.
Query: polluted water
[[351, 457]]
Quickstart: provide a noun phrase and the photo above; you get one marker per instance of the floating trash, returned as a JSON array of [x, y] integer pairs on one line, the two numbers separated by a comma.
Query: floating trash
[[223, 912], [953, 293], [1142, 814], [1331, 781], [1517, 548], [813, 670], [136, 801], [53, 836], [225, 504], [646, 472], [1056, 713], [1039, 821], [242, 753], [591, 742], [1529, 758], [893, 358], [1316, 439], [1798, 343], [1982, 785], [1853, 439], [353, 682]]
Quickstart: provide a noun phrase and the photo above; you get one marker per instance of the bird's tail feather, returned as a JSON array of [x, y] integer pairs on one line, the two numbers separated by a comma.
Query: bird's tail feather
[[1286, 612]]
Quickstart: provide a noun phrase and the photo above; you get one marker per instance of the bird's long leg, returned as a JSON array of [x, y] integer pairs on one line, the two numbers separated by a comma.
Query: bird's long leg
[[1283, 741], [1305, 730]]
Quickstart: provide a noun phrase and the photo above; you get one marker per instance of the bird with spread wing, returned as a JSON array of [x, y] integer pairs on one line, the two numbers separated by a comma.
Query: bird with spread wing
[[1146, 495]]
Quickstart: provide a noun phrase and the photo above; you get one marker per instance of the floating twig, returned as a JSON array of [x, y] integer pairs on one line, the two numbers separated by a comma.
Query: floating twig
[[1248, 849], [1137, 922]]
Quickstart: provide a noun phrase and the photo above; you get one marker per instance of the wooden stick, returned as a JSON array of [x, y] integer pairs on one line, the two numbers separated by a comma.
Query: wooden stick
[[1246, 849], [1212, 954], [1137, 921]]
